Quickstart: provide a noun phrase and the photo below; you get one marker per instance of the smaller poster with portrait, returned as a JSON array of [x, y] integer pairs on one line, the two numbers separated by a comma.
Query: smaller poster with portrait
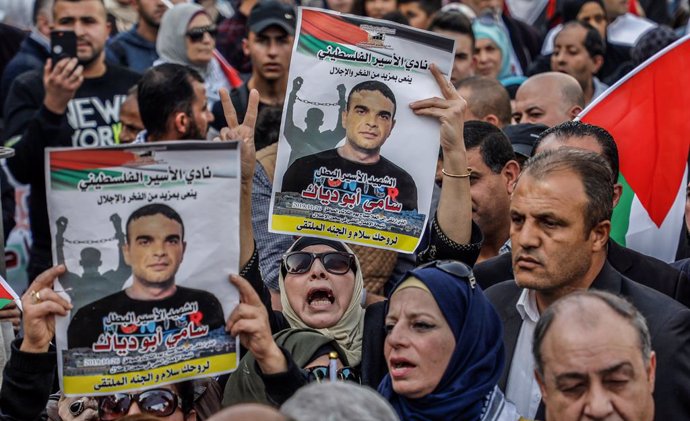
[[354, 162], [149, 235]]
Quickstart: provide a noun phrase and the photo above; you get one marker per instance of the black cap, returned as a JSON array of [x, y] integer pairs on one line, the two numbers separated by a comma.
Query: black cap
[[524, 136], [271, 13]]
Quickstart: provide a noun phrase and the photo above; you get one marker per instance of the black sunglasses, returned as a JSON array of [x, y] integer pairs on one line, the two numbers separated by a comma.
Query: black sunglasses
[[197, 34], [321, 373], [156, 402], [452, 267], [335, 262]]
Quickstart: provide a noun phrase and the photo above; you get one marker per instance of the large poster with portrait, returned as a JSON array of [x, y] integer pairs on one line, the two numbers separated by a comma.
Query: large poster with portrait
[[148, 235], [354, 162]]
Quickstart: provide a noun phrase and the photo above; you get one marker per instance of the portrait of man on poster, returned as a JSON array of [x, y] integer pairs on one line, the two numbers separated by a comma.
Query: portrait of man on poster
[[154, 250], [368, 120]]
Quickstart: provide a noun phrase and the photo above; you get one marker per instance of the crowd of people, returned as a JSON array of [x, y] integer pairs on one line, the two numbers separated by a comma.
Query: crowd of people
[[518, 305]]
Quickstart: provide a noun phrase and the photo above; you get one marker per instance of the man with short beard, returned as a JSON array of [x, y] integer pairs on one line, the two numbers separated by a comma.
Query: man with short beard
[[136, 48], [172, 104], [74, 102]]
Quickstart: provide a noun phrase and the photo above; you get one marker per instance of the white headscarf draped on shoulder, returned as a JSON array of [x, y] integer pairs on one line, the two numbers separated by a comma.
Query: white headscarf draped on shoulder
[[348, 331]]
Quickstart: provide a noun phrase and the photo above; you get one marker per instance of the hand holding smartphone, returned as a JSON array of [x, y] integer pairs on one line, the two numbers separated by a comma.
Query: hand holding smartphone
[[63, 44]]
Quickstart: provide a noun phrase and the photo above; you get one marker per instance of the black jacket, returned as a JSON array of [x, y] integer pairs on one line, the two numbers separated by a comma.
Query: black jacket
[[26, 384]]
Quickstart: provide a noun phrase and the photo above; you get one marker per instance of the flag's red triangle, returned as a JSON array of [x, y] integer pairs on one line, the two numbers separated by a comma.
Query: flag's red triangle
[[648, 114]]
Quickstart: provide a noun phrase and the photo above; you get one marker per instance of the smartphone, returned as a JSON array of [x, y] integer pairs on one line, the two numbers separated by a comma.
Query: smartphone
[[63, 44]]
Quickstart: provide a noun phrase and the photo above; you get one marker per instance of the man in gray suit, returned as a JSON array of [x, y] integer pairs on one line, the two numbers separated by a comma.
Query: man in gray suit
[[560, 224]]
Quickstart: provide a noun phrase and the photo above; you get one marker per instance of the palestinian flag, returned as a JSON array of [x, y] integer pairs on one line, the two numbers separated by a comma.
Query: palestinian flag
[[7, 294], [648, 114]]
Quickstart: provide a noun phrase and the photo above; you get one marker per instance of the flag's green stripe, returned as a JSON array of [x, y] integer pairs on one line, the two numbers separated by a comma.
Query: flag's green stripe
[[309, 44], [4, 302], [621, 213]]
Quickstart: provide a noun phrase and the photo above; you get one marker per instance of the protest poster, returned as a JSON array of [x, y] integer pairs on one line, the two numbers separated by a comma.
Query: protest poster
[[149, 235], [354, 162]]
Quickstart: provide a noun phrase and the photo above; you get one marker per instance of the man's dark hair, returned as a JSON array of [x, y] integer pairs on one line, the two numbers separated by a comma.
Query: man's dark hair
[[494, 146], [454, 21], [593, 43], [594, 173], [151, 210], [488, 97], [619, 305], [163, 91], [428, 6], [267, 129], [577, 130], [373, 85]]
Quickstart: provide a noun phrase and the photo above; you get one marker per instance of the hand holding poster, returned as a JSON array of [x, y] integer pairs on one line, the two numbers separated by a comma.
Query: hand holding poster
[[361, 167], [145, 232]]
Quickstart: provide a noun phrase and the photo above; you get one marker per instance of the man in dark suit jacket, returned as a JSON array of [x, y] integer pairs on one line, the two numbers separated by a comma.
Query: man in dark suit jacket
[[560, 246], [640, 268]]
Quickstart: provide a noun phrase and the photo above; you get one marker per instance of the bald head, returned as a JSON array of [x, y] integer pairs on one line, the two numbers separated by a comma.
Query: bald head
[[248, 411], [548, 98], [593, 358], [487, 100]]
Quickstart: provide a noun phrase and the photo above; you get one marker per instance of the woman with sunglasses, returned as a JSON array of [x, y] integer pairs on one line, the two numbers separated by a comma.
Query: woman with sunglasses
[[444, 348], [187, 35]]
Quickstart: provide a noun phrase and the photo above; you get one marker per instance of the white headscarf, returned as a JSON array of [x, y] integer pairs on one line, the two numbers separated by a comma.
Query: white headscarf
[[349, 330], [171, 42]]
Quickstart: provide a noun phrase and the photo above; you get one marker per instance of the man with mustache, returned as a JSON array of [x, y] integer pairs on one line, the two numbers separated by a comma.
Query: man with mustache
[[560, 223], [72, 102]]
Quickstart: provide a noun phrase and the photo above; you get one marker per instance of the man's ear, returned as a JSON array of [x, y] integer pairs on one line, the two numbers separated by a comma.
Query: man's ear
[[598, 62], [245, 47], [651, 370], [125, 253], [617, 193], [180, 122], [574, 111], [600, 235], [492, 119], [510, 172]]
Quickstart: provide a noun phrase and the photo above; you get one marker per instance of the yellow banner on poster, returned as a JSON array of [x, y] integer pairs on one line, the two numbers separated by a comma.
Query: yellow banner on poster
[[348, 233], [187, 370]]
